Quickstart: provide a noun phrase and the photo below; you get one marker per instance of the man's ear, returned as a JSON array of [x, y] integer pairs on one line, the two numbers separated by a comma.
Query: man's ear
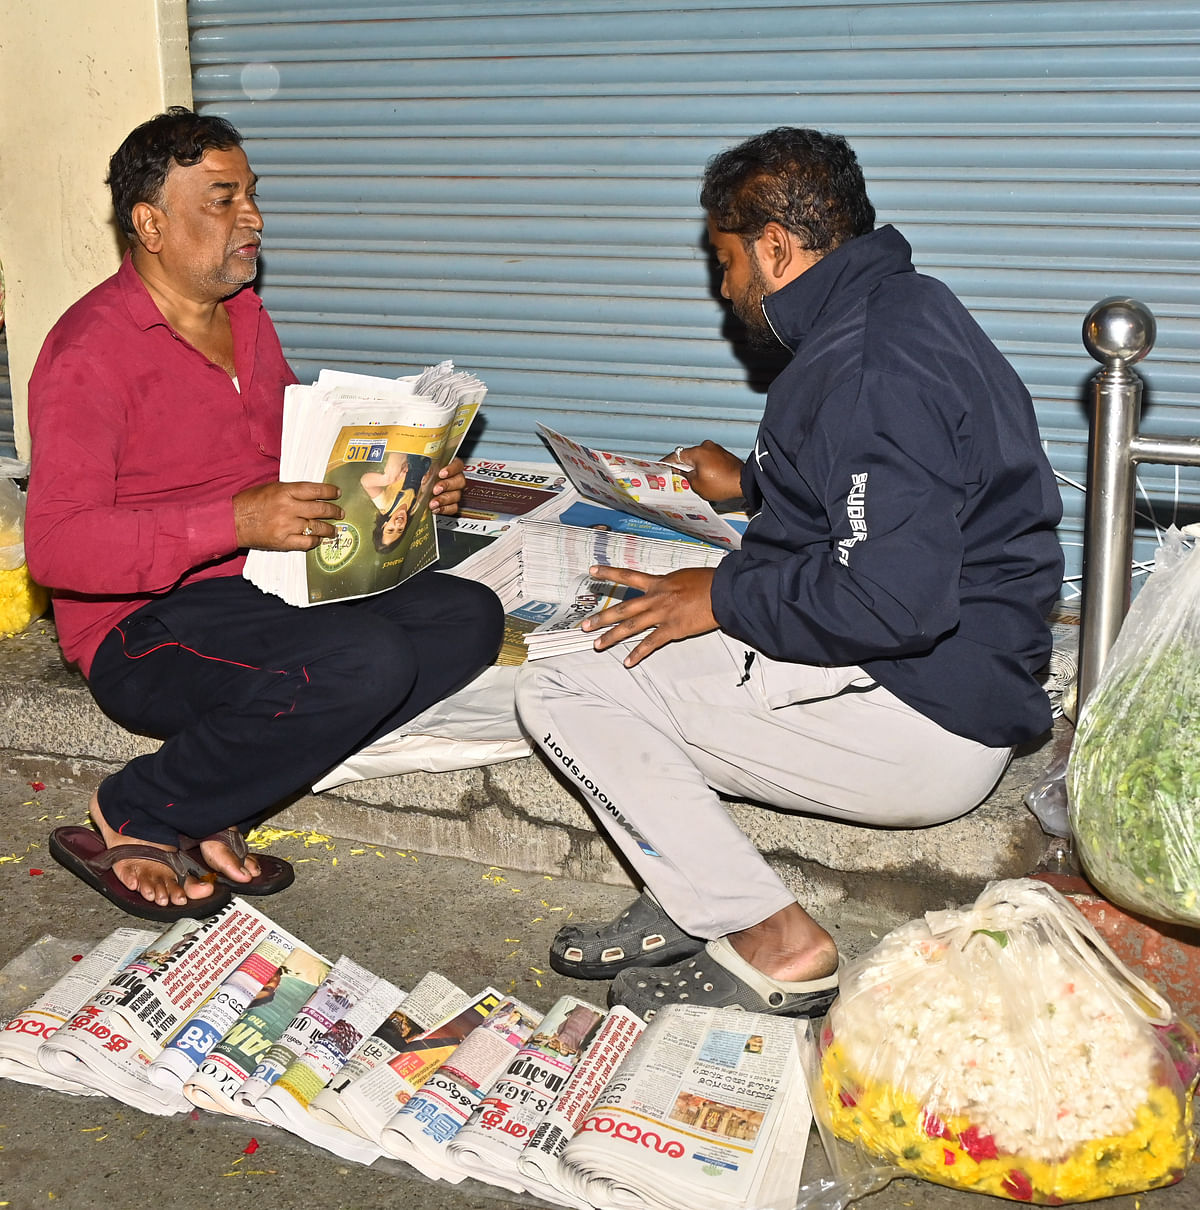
[[146, 225], [781, 256]]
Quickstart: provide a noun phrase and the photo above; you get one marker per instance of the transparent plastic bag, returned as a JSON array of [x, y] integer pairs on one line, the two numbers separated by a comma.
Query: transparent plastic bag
[[1133, 782], [21, 600], [1003, 1048]]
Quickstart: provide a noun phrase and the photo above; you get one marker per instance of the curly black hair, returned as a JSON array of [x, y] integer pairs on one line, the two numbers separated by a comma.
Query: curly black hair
[[138, 169], [807, 181]]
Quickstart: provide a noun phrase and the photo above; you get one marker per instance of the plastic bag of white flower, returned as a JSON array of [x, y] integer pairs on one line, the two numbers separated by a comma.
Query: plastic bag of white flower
[[1005, 1049], [1133, 782]]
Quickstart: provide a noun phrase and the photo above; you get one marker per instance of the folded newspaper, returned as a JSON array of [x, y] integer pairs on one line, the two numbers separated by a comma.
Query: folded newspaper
[[382, 441], [703, 1110]]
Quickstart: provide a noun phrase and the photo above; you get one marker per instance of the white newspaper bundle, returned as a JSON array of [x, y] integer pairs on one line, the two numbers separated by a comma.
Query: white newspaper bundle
[[406, 1049], [489, 1146], [24, 1033], [215, 1083], [343, 986], [194, 1040], [562, 632], [539, 1161], [286, 1102], [111, 1041], [709, 1109], [421, 1132]]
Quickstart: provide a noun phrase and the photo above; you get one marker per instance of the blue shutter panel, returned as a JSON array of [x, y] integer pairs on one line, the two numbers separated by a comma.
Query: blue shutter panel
[[513, 185]]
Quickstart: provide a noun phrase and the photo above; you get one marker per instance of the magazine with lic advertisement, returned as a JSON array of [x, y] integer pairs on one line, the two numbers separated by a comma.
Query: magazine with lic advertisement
[[382, 442]]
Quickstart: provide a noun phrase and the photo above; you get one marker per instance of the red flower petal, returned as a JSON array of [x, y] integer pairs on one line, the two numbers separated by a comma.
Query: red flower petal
[[251, 1147], [1017, 1185], [37, 786], [35, 871]]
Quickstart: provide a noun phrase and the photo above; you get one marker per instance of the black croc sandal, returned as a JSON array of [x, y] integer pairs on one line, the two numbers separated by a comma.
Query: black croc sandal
[[642, 935], [721, 978]]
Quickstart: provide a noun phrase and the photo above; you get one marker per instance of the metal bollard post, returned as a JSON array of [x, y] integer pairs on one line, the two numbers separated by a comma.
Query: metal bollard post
[[1117, 332]]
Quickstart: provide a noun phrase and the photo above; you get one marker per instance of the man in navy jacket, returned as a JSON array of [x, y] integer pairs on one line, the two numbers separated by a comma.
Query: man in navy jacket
[[868, 654]]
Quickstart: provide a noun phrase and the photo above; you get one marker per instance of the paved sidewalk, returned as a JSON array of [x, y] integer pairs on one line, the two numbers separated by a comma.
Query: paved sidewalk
[[398, 913]]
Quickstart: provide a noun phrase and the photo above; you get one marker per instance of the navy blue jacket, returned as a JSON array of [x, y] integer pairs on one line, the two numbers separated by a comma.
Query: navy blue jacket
[[903, 508]]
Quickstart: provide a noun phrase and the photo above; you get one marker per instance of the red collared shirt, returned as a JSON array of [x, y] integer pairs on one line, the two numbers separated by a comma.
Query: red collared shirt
[[140, 444]]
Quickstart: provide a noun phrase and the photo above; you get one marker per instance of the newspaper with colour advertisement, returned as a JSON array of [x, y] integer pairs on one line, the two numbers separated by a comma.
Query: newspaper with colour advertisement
[[489, 1146], [483, 541], [538, 1163], [194, 1040], [657, 491], [421, 1132], [110, 1042], [382, 441], [25, 1032], [343, 986], [387, 1070], [215, 1083], [709, 1108], [286, 1103]]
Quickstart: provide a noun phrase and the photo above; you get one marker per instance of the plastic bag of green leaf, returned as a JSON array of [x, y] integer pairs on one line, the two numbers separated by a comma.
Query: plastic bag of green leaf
[[1133, 781]]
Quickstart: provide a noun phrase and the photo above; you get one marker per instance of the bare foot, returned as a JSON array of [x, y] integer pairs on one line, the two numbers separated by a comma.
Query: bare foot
[[152, 880], [789, 946], [220, 857]]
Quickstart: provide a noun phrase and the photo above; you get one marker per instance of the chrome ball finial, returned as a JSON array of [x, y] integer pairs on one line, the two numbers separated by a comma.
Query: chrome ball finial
[[1119, 329]]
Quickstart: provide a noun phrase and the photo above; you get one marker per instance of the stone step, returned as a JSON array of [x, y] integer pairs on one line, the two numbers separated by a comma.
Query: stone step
[[519, 815]]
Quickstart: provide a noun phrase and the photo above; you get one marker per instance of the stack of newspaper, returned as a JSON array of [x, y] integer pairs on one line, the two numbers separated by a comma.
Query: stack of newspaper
[[577, 1106], [483, 541], [382, 441]]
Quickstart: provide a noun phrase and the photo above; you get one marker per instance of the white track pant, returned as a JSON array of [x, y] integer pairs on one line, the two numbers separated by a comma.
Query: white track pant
[[648, 747]]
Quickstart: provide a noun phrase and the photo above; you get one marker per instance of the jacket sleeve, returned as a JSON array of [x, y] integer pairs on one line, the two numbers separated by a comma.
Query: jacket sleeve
[[879, 576], [79, 536]]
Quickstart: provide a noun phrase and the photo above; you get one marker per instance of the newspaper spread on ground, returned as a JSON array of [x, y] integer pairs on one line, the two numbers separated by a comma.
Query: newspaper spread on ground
[[421, 1132], [489, 1146], [342, 987], [382, 441], [657, 491], [96, 1047], [539, 1161], [24, 1033], [216, 1081], [402, 1052], [198, 957], [286, 1102], [710, 1109], [193, 1041]]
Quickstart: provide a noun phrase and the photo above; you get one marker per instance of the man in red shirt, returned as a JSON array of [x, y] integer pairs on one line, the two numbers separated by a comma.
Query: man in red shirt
[[156, 415]]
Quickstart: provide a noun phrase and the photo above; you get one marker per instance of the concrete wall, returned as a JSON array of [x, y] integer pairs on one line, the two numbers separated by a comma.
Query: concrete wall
[[75, 77]]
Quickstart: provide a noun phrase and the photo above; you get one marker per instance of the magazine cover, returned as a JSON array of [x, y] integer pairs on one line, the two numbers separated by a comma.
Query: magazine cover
[[386, 475]]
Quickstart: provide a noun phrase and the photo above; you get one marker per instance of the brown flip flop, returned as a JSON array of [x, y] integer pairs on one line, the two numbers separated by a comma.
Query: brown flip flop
[[274, 874], [84, 853]]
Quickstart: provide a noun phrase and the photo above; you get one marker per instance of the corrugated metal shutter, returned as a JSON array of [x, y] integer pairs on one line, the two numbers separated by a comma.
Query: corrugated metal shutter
[[513, 184]]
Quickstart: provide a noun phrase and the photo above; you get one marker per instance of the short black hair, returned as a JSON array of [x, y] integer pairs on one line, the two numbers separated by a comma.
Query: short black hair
[[138, 169], [805, 180]]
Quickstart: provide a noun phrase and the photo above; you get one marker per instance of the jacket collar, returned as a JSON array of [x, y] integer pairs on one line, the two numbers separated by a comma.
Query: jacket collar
[[846, 274]]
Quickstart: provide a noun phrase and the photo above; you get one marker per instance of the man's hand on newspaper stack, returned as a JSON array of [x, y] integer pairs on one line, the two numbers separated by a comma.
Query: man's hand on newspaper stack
[[449, 488], [285, 516], [674, 606]]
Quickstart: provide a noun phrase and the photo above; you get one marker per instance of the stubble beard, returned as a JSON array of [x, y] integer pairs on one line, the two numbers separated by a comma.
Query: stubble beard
[[748, 308]]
